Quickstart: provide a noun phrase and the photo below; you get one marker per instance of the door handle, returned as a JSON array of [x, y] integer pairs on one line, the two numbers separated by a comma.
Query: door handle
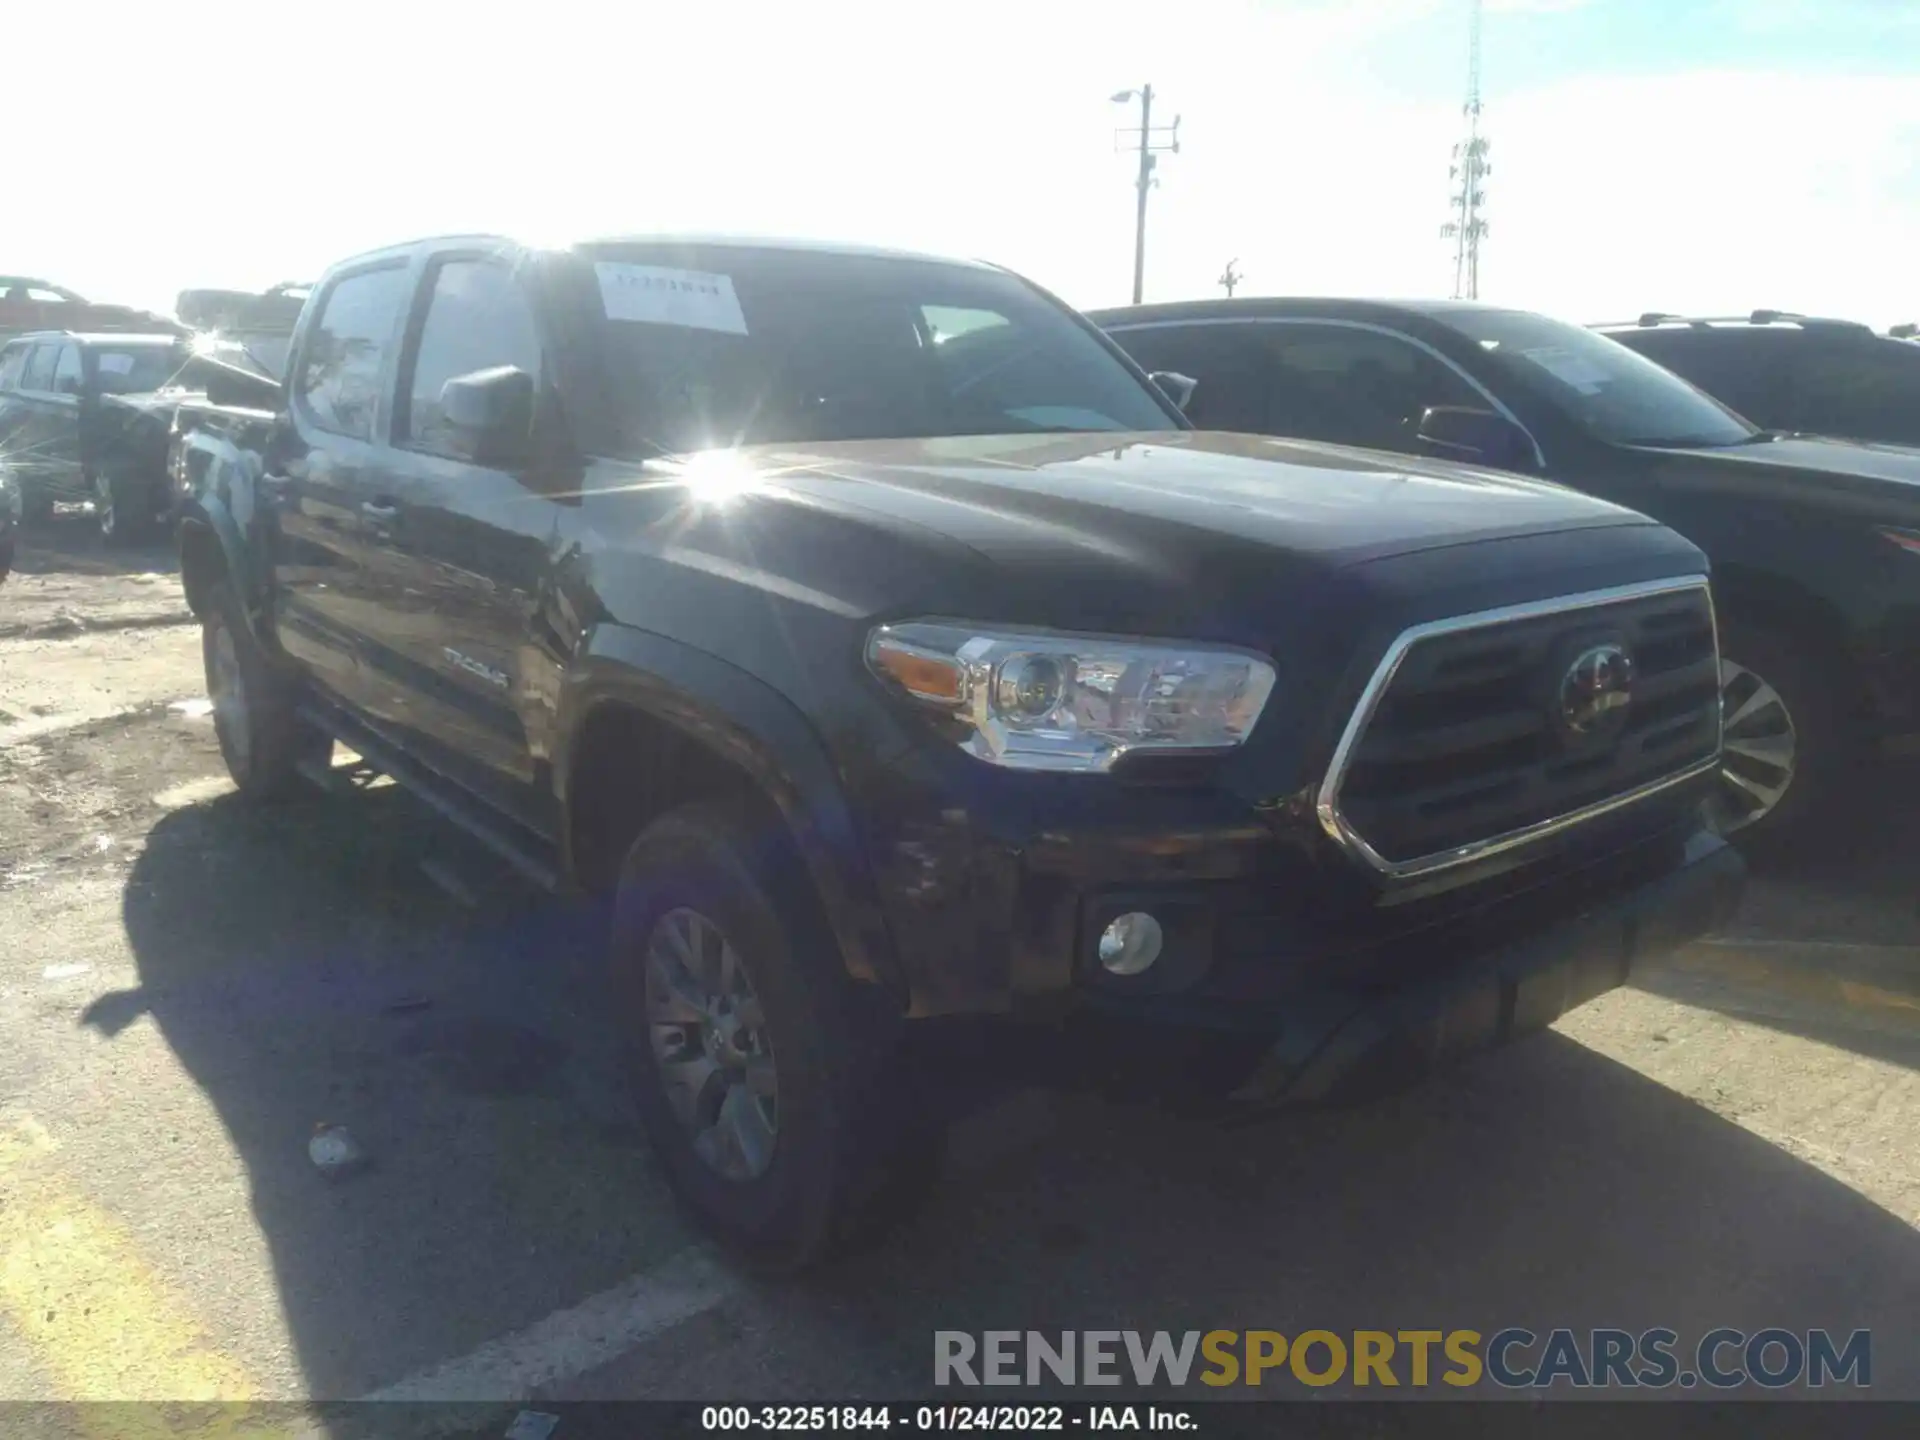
[[378, 513]]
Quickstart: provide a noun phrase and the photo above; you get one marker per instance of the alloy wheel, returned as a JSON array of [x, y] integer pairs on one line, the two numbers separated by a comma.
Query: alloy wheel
[[710, 1044], [1761, 749]]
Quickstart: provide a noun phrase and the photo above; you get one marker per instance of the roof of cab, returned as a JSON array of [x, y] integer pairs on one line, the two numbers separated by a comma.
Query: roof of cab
[[676, 239]]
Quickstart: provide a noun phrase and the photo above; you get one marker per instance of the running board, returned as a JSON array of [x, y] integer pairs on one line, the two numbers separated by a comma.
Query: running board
[[498, 834]]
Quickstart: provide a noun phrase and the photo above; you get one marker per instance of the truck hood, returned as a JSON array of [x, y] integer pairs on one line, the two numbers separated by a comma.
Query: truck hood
[[1014, 497], [1872, 480]]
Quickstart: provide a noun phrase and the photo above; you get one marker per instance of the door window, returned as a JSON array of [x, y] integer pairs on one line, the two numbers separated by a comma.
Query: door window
[[13, 362], [477, 318], [346, 353], [1355, 387], [39, 372], [68, 378], [1865, 389], [1228, 361], [1744, 369]]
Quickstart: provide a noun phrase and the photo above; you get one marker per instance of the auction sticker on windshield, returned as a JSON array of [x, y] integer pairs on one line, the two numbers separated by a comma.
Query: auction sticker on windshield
[[657, 295]]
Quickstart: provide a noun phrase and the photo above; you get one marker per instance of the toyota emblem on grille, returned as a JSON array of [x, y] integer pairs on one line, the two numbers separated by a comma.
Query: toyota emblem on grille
[[1596, 689]]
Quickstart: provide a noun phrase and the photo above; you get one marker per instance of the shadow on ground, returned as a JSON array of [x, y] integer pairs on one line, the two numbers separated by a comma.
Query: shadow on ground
[[1853, 876], [1827, 944], [302, 970]]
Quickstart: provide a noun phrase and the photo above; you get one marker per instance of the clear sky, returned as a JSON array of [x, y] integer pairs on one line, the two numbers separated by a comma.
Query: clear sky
[[1703, 155]]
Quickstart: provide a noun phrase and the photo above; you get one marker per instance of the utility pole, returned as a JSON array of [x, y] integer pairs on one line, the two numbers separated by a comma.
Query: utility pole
[[1150, 148], [1469, 227], [1229, 278]]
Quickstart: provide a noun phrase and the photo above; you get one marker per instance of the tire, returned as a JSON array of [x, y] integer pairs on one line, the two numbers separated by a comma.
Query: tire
[[1787, 742], [123, 514], [261, 739], [784, 1129]]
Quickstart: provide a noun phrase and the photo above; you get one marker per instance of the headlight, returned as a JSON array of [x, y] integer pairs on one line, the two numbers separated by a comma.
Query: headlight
[[1034, 701]]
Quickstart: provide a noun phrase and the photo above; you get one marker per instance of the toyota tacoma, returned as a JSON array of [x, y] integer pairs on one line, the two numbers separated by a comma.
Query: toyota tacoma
[[901, 664]]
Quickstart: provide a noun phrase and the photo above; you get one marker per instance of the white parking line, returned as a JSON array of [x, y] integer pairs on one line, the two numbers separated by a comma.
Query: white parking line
[[571, 1342]]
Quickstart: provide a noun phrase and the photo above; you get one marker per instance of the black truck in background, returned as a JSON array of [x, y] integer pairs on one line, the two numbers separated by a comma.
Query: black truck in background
[[89, 419], [925, 696], [1815, 543]]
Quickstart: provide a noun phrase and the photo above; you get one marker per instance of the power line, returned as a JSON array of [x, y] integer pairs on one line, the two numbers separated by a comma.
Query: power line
[[1470, 169], [1151, 144]]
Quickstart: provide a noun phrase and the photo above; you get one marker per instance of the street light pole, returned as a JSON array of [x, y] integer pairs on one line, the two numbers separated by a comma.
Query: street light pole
[[1145, 181]]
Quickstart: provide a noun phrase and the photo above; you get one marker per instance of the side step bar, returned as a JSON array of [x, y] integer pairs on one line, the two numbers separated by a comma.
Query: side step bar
[[513, 843]]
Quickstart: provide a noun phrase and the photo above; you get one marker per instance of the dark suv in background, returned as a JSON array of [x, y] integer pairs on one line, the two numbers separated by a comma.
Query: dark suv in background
[[58, 427], [1791, 372], [1815, 543]]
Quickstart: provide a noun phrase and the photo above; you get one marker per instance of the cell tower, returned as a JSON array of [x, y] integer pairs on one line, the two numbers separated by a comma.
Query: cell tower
[[1469, 171]]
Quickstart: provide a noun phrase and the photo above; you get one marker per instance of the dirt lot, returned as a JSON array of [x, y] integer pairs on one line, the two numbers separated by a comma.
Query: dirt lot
[[187, 989]]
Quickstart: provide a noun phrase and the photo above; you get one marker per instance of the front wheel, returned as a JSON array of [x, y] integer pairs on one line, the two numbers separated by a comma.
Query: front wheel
[[263, 741], [776, 1126], [1782, 720]]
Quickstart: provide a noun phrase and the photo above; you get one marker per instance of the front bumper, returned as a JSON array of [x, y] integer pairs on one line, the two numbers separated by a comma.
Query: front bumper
[[1335, 1047]]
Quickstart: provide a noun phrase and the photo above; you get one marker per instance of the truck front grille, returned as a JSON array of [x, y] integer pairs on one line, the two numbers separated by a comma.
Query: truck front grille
[[1487, 731]]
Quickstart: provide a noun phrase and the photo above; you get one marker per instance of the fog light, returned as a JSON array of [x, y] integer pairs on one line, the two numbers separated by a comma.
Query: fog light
[[1131, 943]]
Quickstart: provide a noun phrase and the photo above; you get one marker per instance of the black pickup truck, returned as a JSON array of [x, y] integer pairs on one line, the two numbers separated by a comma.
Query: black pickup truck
[[889, 649]]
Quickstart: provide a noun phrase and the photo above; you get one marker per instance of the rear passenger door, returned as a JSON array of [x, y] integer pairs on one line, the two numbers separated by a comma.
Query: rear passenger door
[[317, 474]]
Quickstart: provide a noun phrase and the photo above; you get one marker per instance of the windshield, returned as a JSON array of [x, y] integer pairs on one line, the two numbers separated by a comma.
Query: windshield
[[1610, 392], [720, 345], [135, 369]]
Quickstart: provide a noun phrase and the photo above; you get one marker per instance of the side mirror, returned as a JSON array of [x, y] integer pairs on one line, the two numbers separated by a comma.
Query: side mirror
[[1475, 437], [1176, 387], [490, 414]]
